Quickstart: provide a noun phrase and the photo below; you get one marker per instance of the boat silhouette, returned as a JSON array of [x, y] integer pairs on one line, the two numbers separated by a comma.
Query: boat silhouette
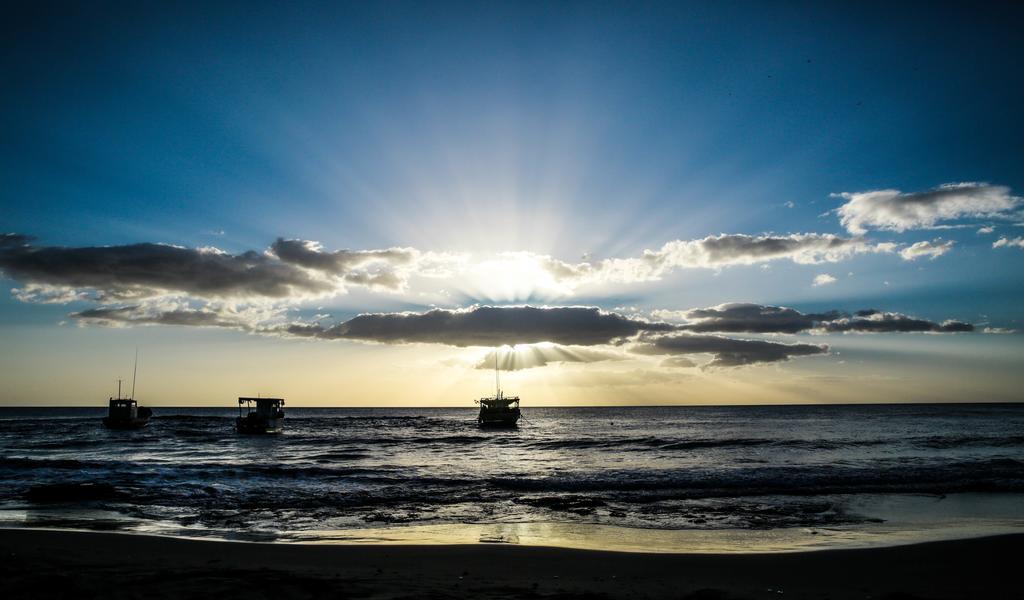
[[498, 410], [260, 415], [125, 413]]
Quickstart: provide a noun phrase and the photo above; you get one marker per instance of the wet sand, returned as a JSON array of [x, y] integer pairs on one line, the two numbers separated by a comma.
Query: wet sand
[[60, 564]]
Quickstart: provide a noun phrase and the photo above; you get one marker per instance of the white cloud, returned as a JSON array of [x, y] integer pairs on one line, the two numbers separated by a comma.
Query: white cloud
[[893, 210], [292, 271], [932, 249], [986, 230], [172, 311], [1004, 242], [823, 279], [713, 252], [670, 315]]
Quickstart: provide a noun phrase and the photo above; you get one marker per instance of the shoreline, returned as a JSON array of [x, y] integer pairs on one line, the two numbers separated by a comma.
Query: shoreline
[[53, 563], [886, 520]]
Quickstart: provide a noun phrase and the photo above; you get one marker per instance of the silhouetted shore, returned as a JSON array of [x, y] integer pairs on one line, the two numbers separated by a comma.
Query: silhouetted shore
[[48, 564]]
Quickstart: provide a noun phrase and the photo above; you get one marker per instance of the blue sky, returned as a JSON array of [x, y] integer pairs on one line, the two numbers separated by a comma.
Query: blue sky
[[579, 132]]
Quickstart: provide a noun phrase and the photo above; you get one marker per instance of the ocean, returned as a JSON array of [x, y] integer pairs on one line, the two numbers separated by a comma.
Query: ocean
[[639, 478]]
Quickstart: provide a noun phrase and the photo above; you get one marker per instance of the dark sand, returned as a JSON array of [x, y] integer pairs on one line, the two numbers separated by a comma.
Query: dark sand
[[57, 564]]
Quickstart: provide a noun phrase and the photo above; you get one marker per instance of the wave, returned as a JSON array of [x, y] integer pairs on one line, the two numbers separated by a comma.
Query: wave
[[646, 443], [192, 418], [19, 463], [286, 485], [983, 475], [948, 442], [415, 442]]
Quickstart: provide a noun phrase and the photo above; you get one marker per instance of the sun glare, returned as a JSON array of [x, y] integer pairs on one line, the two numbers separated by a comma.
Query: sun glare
[[511, 277]]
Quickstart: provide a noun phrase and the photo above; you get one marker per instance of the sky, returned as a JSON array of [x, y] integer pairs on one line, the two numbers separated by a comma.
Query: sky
[[370, 204]]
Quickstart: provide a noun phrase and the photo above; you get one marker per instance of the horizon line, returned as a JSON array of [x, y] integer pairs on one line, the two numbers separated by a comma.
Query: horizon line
[[956, 403]]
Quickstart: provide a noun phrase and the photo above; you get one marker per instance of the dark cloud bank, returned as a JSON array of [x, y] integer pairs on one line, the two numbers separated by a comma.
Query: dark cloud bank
[[757, 318], [289, 269], [577, 327], [488, 326], [727, 352], [140, 315]]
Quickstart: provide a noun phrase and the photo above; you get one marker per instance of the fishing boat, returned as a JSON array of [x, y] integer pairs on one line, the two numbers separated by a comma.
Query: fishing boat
[[260, 415], [125, 413], [499, 410]]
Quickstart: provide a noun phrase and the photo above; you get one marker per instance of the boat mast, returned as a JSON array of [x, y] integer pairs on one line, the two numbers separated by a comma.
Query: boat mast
[[135, 369], [118, 389]]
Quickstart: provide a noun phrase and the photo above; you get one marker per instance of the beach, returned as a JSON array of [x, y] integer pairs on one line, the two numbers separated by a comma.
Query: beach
[[64, 564]]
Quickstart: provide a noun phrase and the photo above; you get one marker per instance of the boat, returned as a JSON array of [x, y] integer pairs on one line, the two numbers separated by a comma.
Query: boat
[[499, 410], [125, 413], [260, 415]]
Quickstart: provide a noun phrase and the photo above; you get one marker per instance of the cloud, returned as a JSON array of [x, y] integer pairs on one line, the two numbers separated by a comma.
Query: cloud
[[752, 318], [171, 312], [875, 321], [1005, 242], [727, 352], [893, 210], [757, 318], [544, 335], [678, 362], [530, 356], [370, 268], [14, 240], [289, 271], [485, 326], [714, 252], [932, 249], [566, 328], [146, 270], [985, 230], [42, 293], [823, 279]]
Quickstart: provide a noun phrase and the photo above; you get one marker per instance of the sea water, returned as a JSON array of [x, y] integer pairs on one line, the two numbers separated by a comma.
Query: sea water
[[637, 478]]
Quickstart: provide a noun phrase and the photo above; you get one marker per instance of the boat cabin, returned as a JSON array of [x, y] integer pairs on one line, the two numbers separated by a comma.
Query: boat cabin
[[123, 408], [260, 415], [499, 411], [125, 413]]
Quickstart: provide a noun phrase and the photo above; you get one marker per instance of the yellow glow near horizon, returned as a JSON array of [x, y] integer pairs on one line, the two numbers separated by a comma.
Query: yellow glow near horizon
[[211, 367]]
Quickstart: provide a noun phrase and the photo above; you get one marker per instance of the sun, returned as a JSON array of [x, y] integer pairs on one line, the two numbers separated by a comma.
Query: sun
[[511, 277]]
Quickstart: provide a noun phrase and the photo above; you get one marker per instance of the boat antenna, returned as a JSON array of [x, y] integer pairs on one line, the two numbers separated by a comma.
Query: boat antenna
[[135, 370], [118, 389]]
